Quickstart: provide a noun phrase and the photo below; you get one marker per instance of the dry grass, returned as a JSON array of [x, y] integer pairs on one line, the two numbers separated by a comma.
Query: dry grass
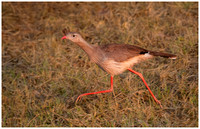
[[42, 75]]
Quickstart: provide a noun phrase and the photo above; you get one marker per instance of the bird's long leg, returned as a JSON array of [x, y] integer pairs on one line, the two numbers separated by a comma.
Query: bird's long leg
[[140, 75], [104, 91]]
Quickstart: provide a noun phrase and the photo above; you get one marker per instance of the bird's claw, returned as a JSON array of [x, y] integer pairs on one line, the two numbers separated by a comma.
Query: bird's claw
[[78, 99], [158, 102]]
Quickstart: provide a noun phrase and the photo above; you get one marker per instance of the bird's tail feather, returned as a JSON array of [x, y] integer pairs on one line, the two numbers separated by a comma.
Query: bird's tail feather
[[165, 55]]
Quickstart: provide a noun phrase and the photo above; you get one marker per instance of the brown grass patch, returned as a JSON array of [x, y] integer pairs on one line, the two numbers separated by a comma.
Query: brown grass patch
[[42, 75]]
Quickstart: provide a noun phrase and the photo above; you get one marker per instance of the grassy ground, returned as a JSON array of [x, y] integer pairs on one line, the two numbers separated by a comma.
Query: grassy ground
[[43, 75]]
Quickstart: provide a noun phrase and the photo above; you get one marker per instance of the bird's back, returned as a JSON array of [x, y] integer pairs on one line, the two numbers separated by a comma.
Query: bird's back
[[122, 52]]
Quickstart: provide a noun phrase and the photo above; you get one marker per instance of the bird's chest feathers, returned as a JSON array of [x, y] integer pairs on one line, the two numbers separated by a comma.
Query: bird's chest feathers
[[96, 56]]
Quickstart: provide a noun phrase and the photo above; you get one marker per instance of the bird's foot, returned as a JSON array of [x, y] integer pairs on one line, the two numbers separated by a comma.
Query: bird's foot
[[79, 98], [158, 102]]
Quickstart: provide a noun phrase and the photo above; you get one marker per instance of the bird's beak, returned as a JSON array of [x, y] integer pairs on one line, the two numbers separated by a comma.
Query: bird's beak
[[64, 37]]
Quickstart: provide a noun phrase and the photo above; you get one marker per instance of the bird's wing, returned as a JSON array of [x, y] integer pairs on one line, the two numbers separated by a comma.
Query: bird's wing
[[122, 52]]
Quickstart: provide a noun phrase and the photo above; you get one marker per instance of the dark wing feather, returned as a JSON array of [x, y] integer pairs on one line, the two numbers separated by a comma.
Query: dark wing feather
[[122, 52]]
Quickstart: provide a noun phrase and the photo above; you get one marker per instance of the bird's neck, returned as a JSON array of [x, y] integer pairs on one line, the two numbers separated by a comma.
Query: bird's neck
[[89, 49]]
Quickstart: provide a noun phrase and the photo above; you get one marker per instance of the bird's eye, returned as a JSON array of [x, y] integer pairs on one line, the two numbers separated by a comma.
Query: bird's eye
[[74, 35]]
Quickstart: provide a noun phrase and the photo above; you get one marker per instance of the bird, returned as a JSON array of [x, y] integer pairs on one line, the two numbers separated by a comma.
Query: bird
[[115, 58]]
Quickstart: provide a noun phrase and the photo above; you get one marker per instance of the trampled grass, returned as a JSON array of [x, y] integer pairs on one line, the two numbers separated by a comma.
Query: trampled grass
[[42, 75]]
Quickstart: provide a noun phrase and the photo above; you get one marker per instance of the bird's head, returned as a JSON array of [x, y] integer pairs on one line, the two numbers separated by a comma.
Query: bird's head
[[73, 36]]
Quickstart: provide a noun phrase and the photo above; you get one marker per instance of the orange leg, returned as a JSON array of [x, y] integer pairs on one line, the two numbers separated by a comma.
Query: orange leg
[[139, 74], [111, 89]]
